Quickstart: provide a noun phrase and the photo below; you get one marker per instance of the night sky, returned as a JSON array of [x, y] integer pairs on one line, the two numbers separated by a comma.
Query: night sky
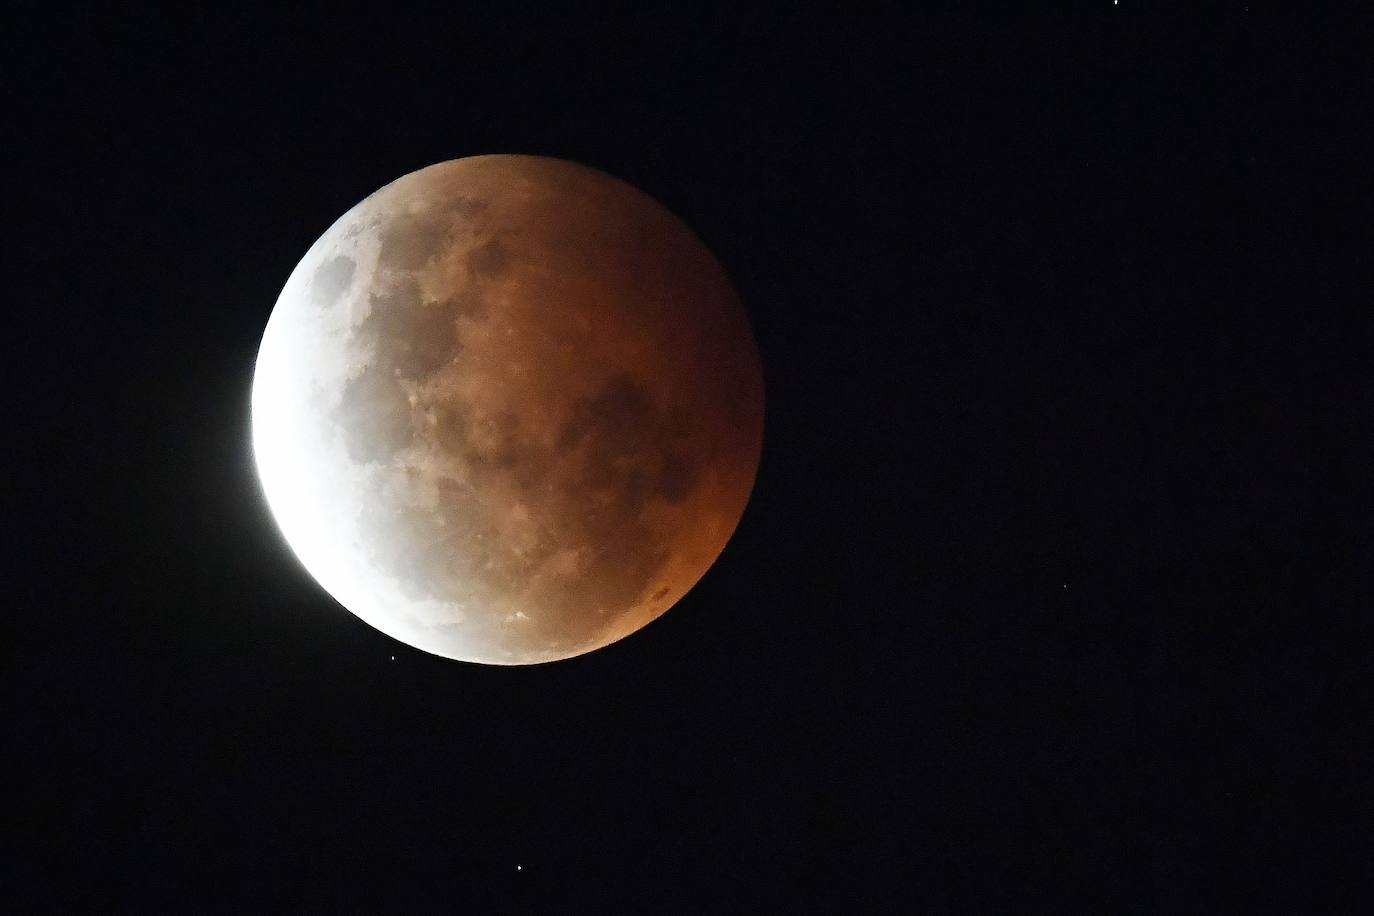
[[1044, 597]]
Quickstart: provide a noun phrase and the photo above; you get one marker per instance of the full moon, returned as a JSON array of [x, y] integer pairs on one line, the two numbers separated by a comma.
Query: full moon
[[507, 409]]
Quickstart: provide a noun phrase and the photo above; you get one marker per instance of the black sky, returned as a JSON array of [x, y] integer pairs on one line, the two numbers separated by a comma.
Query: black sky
[[1066, 343]]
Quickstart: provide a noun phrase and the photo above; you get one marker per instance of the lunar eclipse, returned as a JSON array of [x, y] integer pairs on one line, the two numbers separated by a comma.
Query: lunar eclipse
[[507, 409]]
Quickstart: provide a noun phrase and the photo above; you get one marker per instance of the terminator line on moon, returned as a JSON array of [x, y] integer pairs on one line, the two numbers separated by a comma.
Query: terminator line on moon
[[507, 409]]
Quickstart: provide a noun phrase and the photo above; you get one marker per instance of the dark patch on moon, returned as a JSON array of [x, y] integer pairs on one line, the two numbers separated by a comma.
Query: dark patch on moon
[[678, 477], [374, 415], [485, 441], [390, 310], [467, 303], [432, 343], [616, 414], [412, 337], [633, 448], [409, 241], [331, 279], [488, 258]]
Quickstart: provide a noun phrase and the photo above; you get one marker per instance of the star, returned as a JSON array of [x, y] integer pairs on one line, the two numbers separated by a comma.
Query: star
[[519, 867]]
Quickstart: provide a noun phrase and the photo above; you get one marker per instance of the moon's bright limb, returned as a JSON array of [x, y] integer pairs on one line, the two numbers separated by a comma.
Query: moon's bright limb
[[507, 409]]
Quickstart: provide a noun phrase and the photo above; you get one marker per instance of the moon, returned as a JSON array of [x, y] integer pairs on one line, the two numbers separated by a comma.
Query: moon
[[507, 409]]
